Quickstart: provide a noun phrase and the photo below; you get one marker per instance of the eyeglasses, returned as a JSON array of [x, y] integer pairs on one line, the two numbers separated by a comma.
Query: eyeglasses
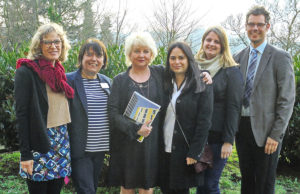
[[259, 25], [49, 43]]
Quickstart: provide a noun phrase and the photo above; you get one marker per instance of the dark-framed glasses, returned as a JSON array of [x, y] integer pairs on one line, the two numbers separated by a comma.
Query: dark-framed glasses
[[259, 25], [48, 43]]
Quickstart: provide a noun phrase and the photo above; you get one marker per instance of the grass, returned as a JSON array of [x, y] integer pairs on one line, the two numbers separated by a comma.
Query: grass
[[229, 184]]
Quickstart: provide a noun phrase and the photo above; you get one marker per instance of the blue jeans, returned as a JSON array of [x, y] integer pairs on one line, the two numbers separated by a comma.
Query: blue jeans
[[212, 175]]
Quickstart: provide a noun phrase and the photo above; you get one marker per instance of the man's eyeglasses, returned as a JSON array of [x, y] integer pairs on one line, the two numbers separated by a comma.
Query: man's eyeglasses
[[48, 43], [259, 25]]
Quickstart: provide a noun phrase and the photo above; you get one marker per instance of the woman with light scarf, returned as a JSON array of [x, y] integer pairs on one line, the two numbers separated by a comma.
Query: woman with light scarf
[[215, 57]]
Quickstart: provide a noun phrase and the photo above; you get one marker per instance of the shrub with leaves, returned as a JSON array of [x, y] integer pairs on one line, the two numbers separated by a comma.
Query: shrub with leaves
[[7, 111], [8, 135], [290, 153]]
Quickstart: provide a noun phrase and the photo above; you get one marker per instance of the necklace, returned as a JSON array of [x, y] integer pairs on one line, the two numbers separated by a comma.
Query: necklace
[[142, 87]]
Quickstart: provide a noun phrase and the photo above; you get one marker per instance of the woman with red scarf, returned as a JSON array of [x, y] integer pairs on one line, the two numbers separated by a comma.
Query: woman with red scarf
[[42, 110]]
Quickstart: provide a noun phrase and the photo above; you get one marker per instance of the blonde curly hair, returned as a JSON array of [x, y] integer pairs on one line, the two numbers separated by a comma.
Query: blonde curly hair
[[35, 50], [139, 39]]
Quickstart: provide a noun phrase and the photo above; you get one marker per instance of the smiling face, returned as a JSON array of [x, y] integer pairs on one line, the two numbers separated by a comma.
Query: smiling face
[[91, 64], [140, 56], [51, 46], [211, 45], [257, 29], [178, 61]]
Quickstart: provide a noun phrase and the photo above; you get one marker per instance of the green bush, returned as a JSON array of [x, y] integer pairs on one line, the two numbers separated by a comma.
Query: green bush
[[8, 134], [7, 111], [290, 154], [116, 64]]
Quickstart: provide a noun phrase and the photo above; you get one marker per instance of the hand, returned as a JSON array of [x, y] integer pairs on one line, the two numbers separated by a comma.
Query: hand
[[226, 150], [190, 161], [271, 146], [27, 166], [206, 78], [145, 130]]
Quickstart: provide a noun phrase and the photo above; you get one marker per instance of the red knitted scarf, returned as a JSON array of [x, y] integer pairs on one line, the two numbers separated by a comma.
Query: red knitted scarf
[[55, 77]]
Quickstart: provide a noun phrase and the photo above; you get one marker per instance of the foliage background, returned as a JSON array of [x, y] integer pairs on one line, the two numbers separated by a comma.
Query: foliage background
[[290, 154]]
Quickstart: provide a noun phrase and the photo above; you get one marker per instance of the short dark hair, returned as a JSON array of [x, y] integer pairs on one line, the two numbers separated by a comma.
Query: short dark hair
[[258, 10], [97, 46]]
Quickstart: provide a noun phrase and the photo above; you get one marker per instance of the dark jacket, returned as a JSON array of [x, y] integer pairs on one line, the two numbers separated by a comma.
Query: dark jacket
[[228, 93], [31, 112], [121, 128], [194, 112], [133, 164], [78, 109]]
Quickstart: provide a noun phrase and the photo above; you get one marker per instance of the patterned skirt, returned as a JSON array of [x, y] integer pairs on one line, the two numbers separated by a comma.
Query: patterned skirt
[[57, 162]]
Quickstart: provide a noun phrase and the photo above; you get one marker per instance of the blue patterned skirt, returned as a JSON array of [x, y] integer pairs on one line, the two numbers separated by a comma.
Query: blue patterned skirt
[[57, 162]]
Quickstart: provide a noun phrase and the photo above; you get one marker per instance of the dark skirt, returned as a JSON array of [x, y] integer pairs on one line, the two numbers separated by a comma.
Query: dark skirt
[[135, 165]]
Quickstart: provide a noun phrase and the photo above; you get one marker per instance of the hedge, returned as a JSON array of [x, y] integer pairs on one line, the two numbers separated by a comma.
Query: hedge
[[8, 136]]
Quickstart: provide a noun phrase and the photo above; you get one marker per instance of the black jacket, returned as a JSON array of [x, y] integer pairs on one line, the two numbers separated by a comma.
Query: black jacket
[[133, 164], [78, 109], [31, 111], [228, 93], [194, 112]]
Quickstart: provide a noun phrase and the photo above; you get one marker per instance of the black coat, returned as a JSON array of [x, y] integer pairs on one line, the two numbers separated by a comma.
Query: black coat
[[78, 109], [133, 164], [228, 93], [31, 112], [194, 112]]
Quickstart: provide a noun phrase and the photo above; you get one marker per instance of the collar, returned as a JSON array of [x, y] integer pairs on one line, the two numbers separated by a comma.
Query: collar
[[260, 48]]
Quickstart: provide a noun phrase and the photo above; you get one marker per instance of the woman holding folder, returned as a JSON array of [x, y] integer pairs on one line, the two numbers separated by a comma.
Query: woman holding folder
[[134, 164]]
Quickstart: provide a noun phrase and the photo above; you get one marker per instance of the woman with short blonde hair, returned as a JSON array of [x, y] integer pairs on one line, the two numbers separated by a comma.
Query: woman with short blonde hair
[[142, 39], [135, 164]]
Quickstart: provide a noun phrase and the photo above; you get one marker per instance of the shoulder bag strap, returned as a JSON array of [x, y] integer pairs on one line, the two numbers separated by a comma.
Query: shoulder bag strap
[[179, 125]]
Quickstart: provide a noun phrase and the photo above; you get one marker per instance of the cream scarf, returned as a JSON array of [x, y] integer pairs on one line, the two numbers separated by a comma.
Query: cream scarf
[[212, 65]]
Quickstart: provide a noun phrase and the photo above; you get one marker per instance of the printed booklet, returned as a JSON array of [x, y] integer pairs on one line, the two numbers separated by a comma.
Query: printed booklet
[[140, 110]]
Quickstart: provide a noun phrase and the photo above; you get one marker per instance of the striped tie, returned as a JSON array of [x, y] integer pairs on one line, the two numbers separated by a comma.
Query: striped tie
[[250, 77]]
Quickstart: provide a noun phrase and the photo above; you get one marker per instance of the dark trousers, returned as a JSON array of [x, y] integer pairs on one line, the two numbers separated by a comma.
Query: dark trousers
[[212, 175], [257, 168], [86, 172], [45, 187]]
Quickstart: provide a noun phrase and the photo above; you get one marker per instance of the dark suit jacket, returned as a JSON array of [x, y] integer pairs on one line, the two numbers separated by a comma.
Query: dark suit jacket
[[273, 94], [31, 112], [78, 110]]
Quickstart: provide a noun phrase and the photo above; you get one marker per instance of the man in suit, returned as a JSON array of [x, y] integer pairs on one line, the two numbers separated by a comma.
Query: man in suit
[[268, 100]]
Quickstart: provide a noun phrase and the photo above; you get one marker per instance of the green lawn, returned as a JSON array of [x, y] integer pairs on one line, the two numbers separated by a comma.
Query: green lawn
[[230, 181]]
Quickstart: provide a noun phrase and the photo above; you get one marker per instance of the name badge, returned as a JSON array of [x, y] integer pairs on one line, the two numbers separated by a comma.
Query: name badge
[[104, 85]]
